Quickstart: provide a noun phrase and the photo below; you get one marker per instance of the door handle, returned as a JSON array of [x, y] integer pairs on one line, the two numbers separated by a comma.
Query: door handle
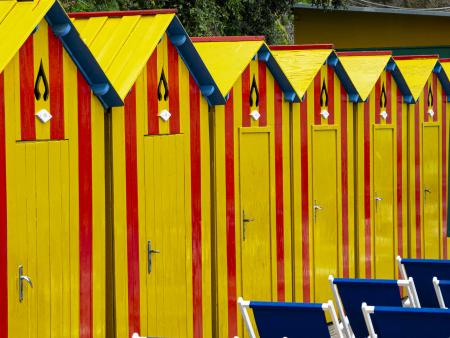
[[22, 278], [316, 208], [245, 220], [377, 199], [426, 190], [150, 251]]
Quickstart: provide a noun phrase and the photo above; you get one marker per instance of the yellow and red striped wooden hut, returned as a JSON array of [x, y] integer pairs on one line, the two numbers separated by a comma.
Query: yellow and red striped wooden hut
[[251, 174], [427, 154], [52, 187], [159, 150], [381, 149], [322, 168]]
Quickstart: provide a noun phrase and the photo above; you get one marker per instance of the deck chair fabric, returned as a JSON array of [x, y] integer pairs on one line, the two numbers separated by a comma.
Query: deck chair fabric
[[394, 322], [423, 271], [292, 320], [354, 292]]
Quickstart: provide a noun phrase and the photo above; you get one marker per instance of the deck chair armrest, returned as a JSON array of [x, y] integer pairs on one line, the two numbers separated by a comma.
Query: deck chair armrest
[[243, 306], [402, 268], [411, 289], [329, 307], [438, 291], [367, 310]]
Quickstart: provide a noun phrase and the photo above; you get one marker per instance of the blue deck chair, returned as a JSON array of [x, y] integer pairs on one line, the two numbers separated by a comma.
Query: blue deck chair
[[442, 289], [350, 293], [423, 271], [291, 320], [395, 322]]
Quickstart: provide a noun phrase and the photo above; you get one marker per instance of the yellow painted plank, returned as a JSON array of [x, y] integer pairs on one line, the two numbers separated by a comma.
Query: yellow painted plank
[[416, 73]]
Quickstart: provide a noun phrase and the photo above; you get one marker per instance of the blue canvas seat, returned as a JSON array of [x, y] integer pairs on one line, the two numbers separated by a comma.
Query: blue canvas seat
[[442, 289], [350, 293], [423, 271], [397, 322], [291, 320]]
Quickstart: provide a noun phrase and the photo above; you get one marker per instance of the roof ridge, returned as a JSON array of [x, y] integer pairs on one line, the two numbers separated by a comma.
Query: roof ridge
[[143, 12]]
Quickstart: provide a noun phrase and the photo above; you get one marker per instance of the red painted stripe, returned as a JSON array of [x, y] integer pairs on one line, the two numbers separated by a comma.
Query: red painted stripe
[[425, 102], [230, 212], [110, 14], [417, 177], [367, 222], [227, 38], [444, 60], [444, 174], [365, 53], [246, 97], [344, 179], [85, 205], [262, 84], [3, 219], [399, 171], [330, 73], [174, 92], [279, 196], [27, 118], [435, 96], [389, 97], [412, 57], [152, 97], [377, 102], [132, 212], [302, 47], [196, 206], [56, 74], [317, 107], [305, 197]]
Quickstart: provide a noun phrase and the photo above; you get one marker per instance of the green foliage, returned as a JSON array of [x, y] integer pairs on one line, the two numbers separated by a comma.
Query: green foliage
[[271, 18]]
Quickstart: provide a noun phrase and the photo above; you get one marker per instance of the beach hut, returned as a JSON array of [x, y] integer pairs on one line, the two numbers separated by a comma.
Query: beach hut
[[427, 152], [52, 188], [381, 150], [322, 168], [250, 177], [158, 150]]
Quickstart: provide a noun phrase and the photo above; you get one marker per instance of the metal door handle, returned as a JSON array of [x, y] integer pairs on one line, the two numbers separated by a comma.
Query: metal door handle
[[316, 208], [426, 190], [22, 278], [377, 199], [245, 220], [150, 251]]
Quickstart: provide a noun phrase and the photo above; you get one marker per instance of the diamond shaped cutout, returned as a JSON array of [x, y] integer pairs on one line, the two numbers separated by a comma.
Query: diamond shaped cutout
[[255, 115], [43, 115], [384, 115], [431, 112], [165, 115], [325, 114]]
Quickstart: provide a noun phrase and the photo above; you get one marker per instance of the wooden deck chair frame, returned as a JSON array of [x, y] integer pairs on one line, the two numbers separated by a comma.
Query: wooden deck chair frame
[[408, 284], [326, 307], [438, 291]]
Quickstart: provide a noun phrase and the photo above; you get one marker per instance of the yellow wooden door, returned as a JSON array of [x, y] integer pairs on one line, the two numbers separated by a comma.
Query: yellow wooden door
[[325, 173], [256, 201], [39, 240], [383, 202], [431, 191], [165, 226]]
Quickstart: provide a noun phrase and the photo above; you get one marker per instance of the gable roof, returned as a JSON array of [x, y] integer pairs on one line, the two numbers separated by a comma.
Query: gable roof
[[122, 42], [29, 14], [364, 69], [227, 57], [301, 63], [416, 70]]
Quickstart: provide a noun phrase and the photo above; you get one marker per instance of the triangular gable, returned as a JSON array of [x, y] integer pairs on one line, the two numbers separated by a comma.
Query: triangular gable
[[29, 14], [227, 57], [301, 63], [123, 42], [364, 69], [416, 70]]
